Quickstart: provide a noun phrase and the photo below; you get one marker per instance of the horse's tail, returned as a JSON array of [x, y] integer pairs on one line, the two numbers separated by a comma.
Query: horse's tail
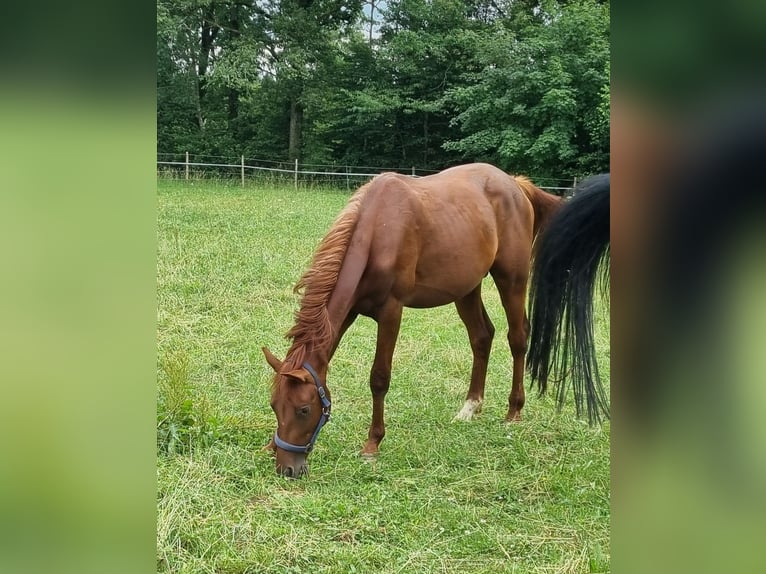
[[544, 204], [568, 255]]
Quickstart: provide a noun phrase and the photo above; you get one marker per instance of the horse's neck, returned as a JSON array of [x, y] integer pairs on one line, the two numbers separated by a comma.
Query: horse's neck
[[345, 293], [323, 330]]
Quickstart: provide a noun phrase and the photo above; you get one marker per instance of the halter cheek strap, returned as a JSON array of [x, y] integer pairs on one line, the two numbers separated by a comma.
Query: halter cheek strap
[[326, 408]]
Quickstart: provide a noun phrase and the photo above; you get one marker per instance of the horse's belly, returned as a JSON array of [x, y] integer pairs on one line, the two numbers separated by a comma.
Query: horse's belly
[[424, 297], [445, 281]]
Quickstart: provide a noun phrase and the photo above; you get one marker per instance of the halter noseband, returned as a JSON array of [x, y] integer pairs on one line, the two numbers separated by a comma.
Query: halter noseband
[[326, 408]]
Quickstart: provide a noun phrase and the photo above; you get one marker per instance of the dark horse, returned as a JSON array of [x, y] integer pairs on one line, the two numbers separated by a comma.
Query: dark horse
[[399, 242], [570, 257]]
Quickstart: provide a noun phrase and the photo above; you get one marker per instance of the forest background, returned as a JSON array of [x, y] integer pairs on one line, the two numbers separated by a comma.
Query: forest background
[[522, 84]]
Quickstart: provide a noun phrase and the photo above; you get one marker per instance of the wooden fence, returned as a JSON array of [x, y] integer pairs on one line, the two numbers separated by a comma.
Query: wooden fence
[[191, 167]]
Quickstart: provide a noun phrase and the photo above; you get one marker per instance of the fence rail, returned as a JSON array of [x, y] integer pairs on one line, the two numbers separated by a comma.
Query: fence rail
[[193, 170]]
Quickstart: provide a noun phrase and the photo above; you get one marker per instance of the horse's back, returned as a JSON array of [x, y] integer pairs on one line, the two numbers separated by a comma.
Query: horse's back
[[434, 238], [475, 182], [444, 210]]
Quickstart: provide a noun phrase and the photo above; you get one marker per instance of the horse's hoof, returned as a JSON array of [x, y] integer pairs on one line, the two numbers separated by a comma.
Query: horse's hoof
[[369, 457], [470, 409], [513, 418], [369, 451]]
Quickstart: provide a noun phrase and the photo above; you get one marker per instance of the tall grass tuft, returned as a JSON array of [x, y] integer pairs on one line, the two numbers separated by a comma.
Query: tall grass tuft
[[182, 420]]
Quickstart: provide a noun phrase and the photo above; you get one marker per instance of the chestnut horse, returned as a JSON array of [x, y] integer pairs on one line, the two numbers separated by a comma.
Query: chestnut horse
[[414, 242]]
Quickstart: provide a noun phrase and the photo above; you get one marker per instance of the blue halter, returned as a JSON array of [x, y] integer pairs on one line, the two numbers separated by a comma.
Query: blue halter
[[326, 408]]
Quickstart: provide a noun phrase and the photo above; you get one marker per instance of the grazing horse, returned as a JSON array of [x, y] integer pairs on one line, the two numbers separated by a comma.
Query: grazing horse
[[568, 256], [414, 242]]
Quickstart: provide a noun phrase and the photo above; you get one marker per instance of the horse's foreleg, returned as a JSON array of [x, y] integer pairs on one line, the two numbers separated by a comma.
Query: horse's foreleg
[[389, 319], [480, 334]]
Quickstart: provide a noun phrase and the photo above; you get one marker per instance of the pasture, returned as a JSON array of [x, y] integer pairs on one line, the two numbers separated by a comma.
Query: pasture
[[442, 496]]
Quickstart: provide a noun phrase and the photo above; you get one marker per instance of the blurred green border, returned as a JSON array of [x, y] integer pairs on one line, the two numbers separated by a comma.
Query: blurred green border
[[77, 294]]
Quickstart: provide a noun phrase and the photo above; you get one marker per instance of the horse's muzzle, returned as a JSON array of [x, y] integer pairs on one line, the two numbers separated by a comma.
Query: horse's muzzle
[[291, 464], [289, 471]]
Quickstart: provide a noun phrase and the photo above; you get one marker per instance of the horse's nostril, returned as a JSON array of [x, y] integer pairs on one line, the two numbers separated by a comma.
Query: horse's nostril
[[288, 471]]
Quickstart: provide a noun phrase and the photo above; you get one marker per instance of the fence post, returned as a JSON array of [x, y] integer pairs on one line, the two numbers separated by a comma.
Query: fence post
[[295, 179], [243, 171], [187, 166], [413, 171]]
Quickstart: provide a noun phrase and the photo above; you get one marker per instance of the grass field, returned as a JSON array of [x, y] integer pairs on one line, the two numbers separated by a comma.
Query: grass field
[[441, 497]]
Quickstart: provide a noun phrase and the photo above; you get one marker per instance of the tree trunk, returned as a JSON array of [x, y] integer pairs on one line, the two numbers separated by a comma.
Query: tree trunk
[[372, 19], [208, 34], [296, 129], [233, 106], [233, 95]]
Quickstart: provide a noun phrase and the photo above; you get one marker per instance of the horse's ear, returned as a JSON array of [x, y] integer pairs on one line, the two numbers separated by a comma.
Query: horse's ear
[[301, 375], [275, 363]]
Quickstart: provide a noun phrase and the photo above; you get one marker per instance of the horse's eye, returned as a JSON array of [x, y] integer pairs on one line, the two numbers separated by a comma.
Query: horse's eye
[[303, 411]]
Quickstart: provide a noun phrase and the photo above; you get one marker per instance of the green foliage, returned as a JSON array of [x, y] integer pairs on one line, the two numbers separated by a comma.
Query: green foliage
[[524, 85], [537, 106]]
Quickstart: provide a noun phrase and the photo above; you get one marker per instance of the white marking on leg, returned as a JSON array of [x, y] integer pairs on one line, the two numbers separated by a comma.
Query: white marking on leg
[[470, 408]]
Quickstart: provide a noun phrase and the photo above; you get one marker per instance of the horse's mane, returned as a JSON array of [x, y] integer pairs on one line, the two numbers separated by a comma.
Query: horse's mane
[[312, 327]]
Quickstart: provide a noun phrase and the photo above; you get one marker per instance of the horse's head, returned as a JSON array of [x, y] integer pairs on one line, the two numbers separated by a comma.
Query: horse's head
[[302, 406]]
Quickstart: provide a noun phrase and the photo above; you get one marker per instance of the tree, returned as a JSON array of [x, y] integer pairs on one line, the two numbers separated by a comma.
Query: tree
[[538, 104], [191, 36], [523, 84], [225, 52], [397, 113]]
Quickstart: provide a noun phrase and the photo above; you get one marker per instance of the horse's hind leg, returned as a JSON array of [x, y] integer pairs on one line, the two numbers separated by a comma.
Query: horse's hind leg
[[480, 334], [512, 287], [389, 318]]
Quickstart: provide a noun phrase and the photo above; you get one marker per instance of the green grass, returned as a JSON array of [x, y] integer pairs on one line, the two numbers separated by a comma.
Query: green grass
[[441, 497]]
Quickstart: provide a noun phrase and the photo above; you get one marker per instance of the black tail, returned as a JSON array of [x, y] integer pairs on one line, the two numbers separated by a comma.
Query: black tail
[[568, 256]]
